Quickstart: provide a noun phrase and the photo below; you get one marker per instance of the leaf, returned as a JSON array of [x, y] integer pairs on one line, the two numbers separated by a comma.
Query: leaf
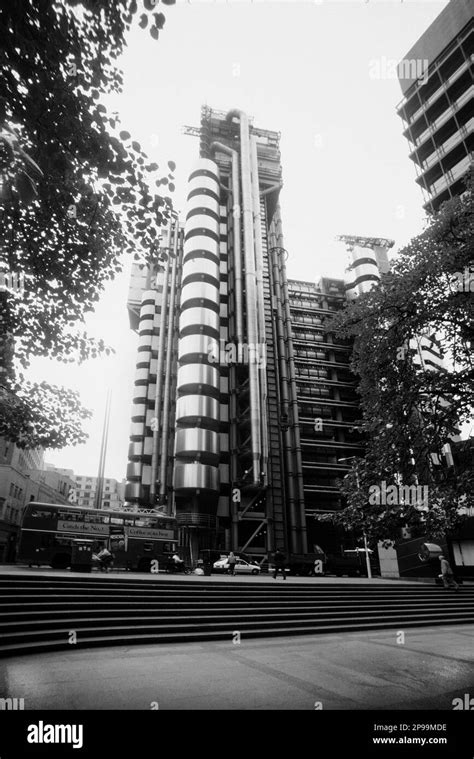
[[154, 32], [61, 126], [172, 165], [143, 23], [159, 20]]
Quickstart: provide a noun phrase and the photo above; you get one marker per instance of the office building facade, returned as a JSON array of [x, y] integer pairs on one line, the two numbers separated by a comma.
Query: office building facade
[[84, 489], [328, 408], [243, 404], [215, 419], [437, 108], [24, 479]]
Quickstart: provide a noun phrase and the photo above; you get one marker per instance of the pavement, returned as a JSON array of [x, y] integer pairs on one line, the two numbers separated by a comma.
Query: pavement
[[121, 574], [420, 668]]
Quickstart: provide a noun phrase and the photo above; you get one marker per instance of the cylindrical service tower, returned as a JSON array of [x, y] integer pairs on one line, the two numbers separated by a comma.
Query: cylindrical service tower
[[196, 471]]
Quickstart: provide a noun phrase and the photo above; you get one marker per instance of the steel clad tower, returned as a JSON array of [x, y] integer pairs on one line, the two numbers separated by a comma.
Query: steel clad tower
[[215, 433], [196, 477]]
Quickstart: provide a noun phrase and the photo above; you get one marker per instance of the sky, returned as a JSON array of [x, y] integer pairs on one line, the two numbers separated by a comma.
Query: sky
[[304, 69]]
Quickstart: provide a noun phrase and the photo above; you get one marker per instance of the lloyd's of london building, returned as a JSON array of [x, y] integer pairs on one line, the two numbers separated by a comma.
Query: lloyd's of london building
[[243, 404]]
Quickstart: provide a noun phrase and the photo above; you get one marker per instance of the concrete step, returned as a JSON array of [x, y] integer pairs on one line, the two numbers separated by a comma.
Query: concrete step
[[39, 613], [66, 608], [233, 615]]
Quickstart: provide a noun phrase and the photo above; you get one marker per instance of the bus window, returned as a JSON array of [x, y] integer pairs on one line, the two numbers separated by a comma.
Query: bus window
[[96, 518], [41, 513], [70, 516]]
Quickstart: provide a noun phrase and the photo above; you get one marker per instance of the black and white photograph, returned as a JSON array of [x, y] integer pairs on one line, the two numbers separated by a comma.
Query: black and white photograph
[[237, 375]]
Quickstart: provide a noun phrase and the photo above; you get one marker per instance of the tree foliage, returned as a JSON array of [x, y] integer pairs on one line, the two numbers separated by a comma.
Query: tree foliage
[[77, 193], [408, 413]]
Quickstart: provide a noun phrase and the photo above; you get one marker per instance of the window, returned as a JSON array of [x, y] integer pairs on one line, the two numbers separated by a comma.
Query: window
[[12, 487], [41, 513]]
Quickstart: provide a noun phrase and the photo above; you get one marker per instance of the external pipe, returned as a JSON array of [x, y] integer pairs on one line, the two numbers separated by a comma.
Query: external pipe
[[239, 329], [159, 379], [237, 246], [257, 229], [282, 359], [293, 394], [169, 349], [251, 295]]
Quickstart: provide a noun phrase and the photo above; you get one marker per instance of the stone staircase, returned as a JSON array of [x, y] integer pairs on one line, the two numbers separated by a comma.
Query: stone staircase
[[41, 613]]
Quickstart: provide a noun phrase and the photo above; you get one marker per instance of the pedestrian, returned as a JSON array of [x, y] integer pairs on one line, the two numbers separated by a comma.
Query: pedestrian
[[232, 561], [279, 559], [105, 558], [177, 563], [447, 574]]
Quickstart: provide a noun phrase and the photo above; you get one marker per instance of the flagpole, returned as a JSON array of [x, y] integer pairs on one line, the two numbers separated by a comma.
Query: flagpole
[[103, 452]]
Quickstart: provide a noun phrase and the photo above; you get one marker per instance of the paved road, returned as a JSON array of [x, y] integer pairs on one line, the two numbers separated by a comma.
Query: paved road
[[426, 668]]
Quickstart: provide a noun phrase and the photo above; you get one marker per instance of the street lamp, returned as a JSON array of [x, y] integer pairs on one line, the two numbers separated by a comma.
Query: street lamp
[[366, 547]]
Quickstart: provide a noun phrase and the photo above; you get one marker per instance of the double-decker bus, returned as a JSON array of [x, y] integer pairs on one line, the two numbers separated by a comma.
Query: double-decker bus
[[133, 537]]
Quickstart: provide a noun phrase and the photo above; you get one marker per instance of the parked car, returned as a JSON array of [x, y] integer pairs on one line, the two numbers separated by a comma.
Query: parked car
[[242, 567]]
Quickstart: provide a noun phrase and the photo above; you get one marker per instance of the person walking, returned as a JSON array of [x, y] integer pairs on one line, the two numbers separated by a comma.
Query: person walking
[[232, 561], [447, 574], [105, 558], [279, 559], [177, 563]]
